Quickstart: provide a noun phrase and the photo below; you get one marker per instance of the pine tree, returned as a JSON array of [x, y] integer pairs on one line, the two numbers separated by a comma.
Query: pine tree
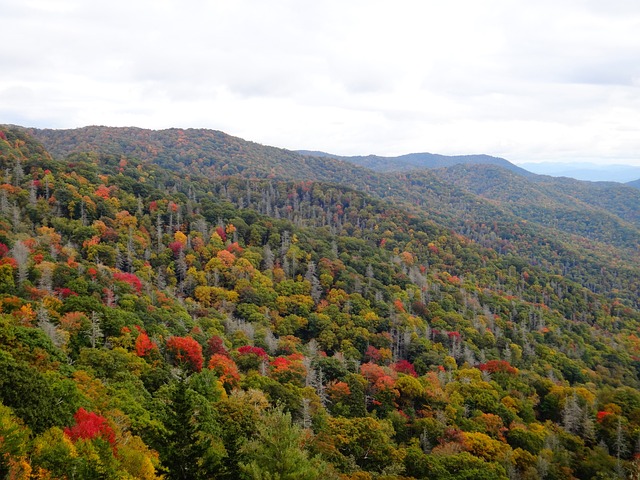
[[276, 451], [182, 451]]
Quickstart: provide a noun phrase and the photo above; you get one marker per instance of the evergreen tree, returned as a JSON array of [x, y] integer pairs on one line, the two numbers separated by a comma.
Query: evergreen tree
[[276, 452]]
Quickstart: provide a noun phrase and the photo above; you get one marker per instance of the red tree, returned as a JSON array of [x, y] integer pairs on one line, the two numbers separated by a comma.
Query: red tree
[[186, 351], [216, 346], [90, 425], [129, 278], [144, 345], [404, 366]]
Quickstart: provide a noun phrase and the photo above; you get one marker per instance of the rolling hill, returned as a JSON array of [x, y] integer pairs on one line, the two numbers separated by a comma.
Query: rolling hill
[[186, 304], [415, 161], [593, 225]]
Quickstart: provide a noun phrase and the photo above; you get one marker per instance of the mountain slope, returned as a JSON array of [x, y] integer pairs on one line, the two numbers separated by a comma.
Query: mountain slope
[[200, 151], [561, 239], [162, 323], [414, 161], [611, 211]]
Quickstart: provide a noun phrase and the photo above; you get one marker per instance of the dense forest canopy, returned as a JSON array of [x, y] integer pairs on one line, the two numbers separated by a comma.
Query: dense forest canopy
[[184, 304]]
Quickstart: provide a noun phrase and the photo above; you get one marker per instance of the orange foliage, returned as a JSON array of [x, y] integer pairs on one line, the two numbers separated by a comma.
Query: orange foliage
[[226, 369], [227, 258]]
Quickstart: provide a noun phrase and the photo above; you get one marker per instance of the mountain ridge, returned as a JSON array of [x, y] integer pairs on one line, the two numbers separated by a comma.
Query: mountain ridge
[[186, 321], [419, 160], [440, 197]]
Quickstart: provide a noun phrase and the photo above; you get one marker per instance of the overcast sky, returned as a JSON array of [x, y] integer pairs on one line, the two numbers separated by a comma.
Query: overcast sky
[[543, 80]]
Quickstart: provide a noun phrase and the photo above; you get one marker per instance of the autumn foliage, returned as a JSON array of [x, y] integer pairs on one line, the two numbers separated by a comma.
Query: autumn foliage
[[186, 352], [90, 425], [130, 279], [144, 345], [225, 368]]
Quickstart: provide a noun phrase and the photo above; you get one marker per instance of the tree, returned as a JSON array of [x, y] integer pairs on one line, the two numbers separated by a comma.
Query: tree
[[186, 352], [90, 425], [14, 438], [20, 253], [276, 452], [190, 449]]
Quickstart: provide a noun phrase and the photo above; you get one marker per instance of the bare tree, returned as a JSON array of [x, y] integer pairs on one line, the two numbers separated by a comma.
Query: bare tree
[[20, 253], [94, 332]]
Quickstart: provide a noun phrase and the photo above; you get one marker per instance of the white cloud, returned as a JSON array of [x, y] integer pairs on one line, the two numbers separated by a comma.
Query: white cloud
[[531, 81]]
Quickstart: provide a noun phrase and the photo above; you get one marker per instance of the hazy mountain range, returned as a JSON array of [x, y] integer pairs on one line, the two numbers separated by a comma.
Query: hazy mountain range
[[579, 171]]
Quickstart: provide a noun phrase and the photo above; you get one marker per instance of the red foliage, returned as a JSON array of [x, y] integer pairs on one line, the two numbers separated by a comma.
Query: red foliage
[[493, 366], [153, 206], [372, 354], [454, 335], [186, 351], [216, 346], [372, 372], [452, 435], [9, 261], [235, 248], [103, 191], [90, 425], [601, 415], [280, 363], [384, 383], [144, 345], [129, 278], [404, 366], [3, 249], [398, 304], [223, 235], [249, 350], [288, 369], [176, 247], [65, 292]]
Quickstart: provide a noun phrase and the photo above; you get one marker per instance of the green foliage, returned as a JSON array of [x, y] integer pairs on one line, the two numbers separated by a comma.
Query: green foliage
[[460, 323], [276, 451]]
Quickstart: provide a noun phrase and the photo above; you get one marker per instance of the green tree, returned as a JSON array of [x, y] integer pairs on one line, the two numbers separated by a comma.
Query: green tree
[[190, 449], [276, 451]]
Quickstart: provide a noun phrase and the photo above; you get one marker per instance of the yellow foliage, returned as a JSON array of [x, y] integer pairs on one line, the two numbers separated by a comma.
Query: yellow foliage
[[136, 458], [483, 446], [19, 469], [180, 237], [53, 305], [410, 386], [216, 242], [125, 219], [213, 296], [511, 403], [54, 440]]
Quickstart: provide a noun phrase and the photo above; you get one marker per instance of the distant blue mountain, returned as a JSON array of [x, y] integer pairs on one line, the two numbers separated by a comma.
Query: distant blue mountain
[[586, 171]]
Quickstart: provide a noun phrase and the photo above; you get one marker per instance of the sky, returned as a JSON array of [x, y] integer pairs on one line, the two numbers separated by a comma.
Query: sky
[[530, 81]]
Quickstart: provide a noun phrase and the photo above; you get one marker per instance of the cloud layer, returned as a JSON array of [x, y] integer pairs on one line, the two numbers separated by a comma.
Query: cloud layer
[[530, 81]]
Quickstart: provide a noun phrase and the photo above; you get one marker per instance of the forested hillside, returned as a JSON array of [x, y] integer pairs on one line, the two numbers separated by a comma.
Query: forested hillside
[[413, 161], [236, 312]]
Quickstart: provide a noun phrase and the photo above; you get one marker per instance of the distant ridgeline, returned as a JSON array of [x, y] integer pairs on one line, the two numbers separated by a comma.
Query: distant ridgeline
[[415, 161], [184, 304]]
